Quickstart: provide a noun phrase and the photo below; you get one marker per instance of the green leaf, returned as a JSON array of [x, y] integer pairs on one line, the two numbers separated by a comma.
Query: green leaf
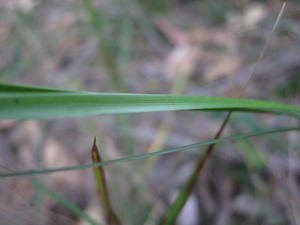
[[158, 153], [175, 209], [21, 102]]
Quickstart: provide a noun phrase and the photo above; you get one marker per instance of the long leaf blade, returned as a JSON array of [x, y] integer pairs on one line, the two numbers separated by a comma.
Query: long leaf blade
[[17, 103]]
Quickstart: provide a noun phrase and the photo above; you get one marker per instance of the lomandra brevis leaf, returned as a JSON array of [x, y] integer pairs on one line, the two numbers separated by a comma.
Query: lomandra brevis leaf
[[22, 102], [110, 216]]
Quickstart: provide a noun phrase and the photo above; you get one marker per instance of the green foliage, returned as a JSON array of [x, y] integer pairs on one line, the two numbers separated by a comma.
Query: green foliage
[[21, 102]]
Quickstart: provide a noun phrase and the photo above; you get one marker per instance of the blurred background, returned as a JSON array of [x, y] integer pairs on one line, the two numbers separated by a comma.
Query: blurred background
[[192, 47]]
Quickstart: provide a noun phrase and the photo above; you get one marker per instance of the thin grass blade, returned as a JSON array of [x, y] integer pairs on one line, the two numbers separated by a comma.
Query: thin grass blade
[[175, 209], [69, 205], [154, 154]]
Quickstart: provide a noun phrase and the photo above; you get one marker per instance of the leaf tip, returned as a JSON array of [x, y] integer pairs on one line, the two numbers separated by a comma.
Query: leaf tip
[[94, 141], [95, 153]]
